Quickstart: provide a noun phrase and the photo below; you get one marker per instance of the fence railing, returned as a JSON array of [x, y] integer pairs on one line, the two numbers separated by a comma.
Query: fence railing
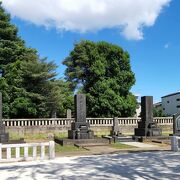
[[109, 121], [38, 122], [92, 121], [163, 120], [27, 151]]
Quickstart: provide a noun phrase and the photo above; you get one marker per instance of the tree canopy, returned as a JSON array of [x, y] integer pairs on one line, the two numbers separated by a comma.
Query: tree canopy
[[102, 71], [28, 82]]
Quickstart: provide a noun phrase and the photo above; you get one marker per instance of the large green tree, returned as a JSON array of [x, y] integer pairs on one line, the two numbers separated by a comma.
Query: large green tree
[[27, 82], [12, 54], [103, 72]]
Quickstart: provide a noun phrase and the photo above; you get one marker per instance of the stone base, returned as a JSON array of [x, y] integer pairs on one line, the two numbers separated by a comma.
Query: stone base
[[4, 137], [149, 132], [117, 133], [176, 134], [79, 125], [74, 134], [67, 142], [156, 139]]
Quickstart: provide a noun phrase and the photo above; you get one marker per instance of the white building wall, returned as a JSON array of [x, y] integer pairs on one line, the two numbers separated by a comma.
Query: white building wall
[[171, 104]]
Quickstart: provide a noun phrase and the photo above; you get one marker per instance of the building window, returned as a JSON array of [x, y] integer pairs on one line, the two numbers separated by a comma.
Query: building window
[[177, 99], [167, 101], [178, 106]]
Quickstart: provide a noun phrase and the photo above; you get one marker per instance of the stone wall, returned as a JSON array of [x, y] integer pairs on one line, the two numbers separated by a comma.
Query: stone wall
[[98, 130]]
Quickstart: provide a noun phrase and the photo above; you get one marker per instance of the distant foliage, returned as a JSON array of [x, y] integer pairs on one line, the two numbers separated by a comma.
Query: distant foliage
[[102, 71], [158, 112], [28, 82]]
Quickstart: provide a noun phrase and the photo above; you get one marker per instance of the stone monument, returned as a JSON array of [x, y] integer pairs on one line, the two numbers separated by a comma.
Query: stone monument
[[146, 127], [68, 113], [176, 124], [116, 131], [4, 137], [80, 129]]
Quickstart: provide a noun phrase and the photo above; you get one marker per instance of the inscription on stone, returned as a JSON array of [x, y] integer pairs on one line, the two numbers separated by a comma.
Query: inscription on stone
[[80, 108]]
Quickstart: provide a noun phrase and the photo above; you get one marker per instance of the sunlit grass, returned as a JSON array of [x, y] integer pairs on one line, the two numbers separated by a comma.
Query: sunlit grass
[[59, 148]]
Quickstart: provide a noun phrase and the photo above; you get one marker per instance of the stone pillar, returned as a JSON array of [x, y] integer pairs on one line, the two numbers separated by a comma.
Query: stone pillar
[[116, 131], [80, 128], [176, 124], [146, 111], [146, 127], [68, 114]]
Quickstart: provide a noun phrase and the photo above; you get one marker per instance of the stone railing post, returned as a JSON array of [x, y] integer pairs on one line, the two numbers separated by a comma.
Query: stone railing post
[[42, 151], [17, 152], [34, 155], [8, 153], [174, 143], [51, 150]]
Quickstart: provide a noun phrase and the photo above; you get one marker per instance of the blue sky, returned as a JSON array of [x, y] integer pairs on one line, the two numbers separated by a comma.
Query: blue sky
[[154, 47]]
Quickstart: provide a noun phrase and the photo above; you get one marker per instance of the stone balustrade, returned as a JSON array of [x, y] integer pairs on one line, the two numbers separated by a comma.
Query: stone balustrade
[[92, 121], [109, 121], [37, 122], [163, 120], [19, 152]]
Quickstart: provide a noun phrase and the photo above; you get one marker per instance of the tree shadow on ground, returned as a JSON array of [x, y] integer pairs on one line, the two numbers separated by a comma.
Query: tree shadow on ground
[[147, 165]]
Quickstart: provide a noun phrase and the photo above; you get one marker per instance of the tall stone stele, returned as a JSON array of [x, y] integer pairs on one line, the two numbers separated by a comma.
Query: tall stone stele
[[176, 124], [80, 129], [146, 127], [4, 137]]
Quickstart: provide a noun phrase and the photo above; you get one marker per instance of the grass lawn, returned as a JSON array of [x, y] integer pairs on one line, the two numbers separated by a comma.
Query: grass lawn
[[59, 148]]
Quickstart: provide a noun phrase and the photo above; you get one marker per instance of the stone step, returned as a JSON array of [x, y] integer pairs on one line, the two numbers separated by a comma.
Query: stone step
[[81, 141], [120, 138], [90, 145], [125, 140]]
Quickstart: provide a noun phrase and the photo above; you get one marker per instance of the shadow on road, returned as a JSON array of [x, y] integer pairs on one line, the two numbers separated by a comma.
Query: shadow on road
[[147, 165]]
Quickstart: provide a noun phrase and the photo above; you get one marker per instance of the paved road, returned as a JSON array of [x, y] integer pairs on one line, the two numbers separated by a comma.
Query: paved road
[[147, 165]]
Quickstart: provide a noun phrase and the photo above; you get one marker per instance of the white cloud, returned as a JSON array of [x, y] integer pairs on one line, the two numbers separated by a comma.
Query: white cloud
[[129, 16]]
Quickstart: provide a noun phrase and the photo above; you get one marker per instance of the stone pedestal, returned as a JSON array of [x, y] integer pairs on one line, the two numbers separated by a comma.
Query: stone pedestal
[[80, 129], [146, 127]]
